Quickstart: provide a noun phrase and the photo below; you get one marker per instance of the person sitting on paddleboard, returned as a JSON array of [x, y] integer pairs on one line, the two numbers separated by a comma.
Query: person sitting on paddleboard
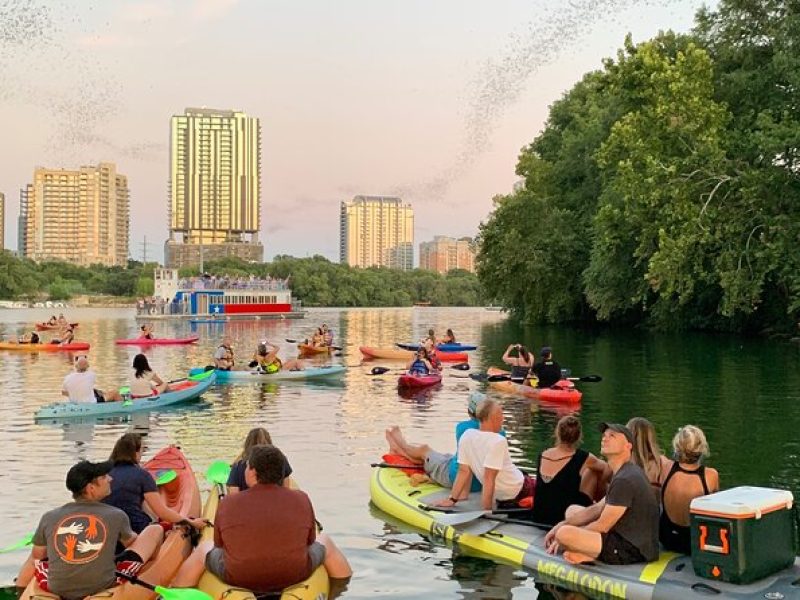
[[267, 361], [547, 371], [145, 381], [237, 482], [146, 332], [647, 454], [449, 337], [520, 364], [79, 387], [421, 364], [223, 357]]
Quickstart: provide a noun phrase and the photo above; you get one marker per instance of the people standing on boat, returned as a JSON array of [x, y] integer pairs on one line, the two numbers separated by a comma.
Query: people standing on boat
[[623, 527], [145, 381], [133, 487], [265, 538], [520, 363], [223, 357], [686, 480], [78, 386], [449, 337], [547, 370], [237, 482], [420, 364], [440, 467], [74, 545], [483, 453], [566, 474], [648, 455], [146, 332]]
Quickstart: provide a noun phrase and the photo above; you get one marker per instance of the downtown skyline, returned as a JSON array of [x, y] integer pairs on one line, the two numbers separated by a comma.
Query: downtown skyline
[[381, 111]]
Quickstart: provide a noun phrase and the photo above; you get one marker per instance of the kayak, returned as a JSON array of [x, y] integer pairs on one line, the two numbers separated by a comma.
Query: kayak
[[181, 494], [309, 350], [407, 380], [564, 391], [398, 354], [206, 321], [157, 341], [250, 376], [48, 327], [184, 391], [442, 347], [669, 577], [44, 347], [316, 587]]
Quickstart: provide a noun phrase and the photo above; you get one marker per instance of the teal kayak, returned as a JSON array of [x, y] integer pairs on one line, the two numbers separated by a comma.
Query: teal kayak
[[256, 376], [185, 390]]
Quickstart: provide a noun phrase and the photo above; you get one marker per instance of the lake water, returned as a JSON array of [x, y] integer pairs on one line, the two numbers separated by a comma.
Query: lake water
[[743, 392]]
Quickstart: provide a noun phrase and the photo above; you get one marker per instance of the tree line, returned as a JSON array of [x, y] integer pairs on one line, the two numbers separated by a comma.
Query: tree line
[[316, 281], [664, 188]]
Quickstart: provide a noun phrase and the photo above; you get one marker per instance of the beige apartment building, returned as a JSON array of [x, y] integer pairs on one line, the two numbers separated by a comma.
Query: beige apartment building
[[446, 253], [214, 187], [377, 231], [2, 221], [81, 217]]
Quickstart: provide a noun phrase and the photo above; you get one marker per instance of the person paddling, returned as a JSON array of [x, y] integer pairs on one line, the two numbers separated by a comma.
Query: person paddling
[[547, 371]]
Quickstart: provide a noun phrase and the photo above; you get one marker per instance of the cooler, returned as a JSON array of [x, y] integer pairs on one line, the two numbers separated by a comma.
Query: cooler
[[742, 534]]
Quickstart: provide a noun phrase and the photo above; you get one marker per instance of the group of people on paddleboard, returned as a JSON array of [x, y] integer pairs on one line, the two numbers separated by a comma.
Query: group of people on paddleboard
[[265, 532], [615, 510], [265, 358]]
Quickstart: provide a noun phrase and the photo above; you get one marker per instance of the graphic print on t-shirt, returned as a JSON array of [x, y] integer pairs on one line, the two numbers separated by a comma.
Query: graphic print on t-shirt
[[79, 538]]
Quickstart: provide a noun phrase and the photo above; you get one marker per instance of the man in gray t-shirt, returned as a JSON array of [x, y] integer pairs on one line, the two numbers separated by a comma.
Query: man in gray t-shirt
[[623, 527], [74, 545]]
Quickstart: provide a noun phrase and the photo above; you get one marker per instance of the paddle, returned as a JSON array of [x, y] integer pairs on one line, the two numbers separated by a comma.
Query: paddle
[[218, 472], [166, 476], [504, 377], [382, 370], [26, 541], [297, 341], [457, 519], [167, 593]]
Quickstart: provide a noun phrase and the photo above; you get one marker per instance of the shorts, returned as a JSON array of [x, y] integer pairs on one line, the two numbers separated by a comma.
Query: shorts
[[216, 564], [437, 467], [128, 562], [98, 396], [527, 490], [616, 550]]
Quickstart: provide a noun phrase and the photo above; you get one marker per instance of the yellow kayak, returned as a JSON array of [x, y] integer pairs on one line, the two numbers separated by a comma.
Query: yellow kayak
[[316, 587]]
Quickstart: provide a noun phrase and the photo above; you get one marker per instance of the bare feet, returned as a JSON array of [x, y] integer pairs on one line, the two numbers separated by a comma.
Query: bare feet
[[577, 558], [394, 448]]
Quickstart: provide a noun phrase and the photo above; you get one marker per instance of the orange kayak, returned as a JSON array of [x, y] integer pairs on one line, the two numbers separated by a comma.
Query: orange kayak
[[309, 350], [564, 391], [389, 353], [44, 347], [181, 494], [48, 327]]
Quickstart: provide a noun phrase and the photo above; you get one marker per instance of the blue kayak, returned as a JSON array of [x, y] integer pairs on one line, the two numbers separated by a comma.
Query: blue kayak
[[185, 390], [258, 376], [441, 347]]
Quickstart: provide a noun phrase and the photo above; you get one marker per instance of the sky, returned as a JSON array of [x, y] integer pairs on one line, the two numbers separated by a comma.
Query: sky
[[431, 100]]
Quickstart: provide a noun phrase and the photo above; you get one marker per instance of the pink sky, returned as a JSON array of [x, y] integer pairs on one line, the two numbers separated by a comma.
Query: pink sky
[[429, 100]]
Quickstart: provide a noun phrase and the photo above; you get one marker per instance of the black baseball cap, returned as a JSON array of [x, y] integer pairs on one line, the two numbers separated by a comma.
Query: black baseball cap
[[619, 429], [83, 473], [545, 351]]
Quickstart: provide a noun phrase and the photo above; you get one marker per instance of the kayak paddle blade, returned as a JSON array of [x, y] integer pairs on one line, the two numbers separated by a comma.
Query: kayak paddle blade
[[461, 367], [26, 541], [165, 477], [461, 518], [218, 472], [181, 593], [379, 370]]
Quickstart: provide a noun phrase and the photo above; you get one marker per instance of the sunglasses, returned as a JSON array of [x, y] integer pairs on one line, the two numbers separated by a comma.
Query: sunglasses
[[77, 358]]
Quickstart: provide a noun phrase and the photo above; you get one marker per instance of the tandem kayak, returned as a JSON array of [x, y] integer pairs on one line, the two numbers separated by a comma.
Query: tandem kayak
[[48, 327], [184, 391], [316, 587], [564, 391], [669, 577], [257, 376], [158, 341], [15, 347], [399, 354], [181, 494], [408, 380], [442, 347]]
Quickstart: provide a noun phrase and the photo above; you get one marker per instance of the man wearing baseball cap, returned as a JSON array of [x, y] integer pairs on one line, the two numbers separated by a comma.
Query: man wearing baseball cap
[[547, 371], [74, 545], [623, 527]]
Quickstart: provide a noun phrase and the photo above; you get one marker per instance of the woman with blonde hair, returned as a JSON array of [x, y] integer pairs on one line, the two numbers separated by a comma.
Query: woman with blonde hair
[[258, 436], [647, 454], [687, 479]]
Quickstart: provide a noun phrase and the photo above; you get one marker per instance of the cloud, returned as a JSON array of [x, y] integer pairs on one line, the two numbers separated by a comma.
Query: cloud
[[143, 12], [108, 40], [208, 10]]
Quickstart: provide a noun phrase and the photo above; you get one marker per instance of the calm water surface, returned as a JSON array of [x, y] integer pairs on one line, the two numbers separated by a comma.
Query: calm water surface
[[742, 392]]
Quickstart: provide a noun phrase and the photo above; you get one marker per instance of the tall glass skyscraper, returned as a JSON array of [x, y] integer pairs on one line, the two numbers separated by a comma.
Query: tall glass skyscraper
[[214, 187]]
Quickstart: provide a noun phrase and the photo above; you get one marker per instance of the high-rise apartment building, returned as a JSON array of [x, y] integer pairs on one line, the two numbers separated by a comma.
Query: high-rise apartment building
[[377, 231], [446, 253], [81, 217], [2, 221], [214, 187]]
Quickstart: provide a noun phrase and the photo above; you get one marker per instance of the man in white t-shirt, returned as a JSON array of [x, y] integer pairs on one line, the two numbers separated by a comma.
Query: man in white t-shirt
[[483, 453], [79, 387]]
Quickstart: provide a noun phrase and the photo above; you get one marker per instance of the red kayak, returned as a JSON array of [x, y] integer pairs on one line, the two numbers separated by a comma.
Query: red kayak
[[158, 341], [180, 493], [48, 327], [408, 380]]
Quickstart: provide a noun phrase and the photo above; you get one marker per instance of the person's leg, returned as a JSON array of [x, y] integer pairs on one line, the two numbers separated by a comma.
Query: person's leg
[[294, 365], [580, 545], [398, 445], [335, 562], [147, 542], [192, 568]]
